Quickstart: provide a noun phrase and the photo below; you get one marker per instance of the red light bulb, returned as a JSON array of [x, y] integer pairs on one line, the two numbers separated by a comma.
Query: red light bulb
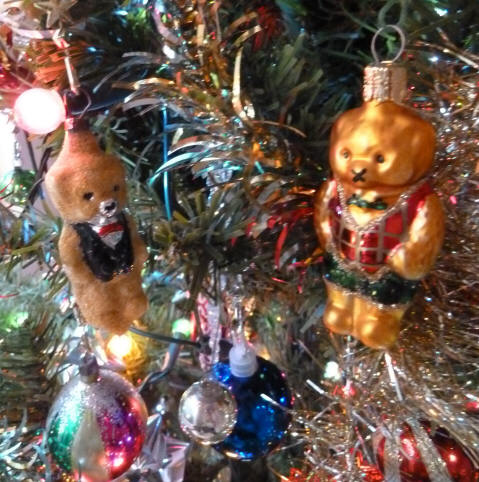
[[39, 111]]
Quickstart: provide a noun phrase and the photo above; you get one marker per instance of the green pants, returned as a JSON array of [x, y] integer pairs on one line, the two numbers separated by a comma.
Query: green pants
[[391, 289]]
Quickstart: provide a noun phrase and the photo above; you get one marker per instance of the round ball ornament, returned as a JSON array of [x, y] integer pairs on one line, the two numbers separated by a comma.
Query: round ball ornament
[[207, 412], [96, 426], [39, 111], [411, 462], [258, 387], [472, 407]]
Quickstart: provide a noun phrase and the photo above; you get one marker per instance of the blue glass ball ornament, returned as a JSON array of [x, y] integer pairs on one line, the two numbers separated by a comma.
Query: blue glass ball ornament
[[260, 425]]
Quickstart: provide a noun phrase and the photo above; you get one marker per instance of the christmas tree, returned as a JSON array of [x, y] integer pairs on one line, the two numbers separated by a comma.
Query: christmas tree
[[239, 240]]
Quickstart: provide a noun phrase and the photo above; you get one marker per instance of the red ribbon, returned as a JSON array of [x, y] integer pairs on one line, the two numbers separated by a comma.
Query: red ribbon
[[289, 219], [110, 228]]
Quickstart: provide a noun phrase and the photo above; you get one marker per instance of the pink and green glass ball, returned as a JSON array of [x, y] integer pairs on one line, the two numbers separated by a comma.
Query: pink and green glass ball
[[100, 422]]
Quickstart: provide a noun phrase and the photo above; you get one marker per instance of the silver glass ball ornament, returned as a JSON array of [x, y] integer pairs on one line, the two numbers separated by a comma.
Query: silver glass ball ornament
[[207, 412]]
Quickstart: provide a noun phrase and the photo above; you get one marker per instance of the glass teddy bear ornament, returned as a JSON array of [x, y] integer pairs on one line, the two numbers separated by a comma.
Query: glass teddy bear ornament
[[378, 220]]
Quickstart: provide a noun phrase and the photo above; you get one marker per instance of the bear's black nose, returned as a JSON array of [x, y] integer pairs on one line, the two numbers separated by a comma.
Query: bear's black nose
[[110, 206], [359, 175]]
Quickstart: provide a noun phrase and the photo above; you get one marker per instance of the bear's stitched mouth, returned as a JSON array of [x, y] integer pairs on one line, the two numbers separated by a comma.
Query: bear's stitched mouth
[[359, 175]]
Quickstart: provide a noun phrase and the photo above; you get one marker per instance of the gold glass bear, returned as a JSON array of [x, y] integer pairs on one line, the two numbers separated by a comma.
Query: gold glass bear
[[378, 220]]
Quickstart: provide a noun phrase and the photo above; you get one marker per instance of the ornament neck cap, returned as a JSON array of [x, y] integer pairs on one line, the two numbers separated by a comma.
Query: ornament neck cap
[[385, 81], [89, 369], [243, 362]]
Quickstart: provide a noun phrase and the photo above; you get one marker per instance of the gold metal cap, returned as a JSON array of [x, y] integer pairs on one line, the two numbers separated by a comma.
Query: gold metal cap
[[385, 81]]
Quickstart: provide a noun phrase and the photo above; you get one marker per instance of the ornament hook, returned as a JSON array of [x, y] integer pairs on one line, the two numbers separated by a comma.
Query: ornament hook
[[88, 102], [61, 43], [402, 37]]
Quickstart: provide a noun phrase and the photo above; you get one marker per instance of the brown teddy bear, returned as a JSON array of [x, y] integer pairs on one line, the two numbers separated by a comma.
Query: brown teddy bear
[[378, 219], [100, 248]]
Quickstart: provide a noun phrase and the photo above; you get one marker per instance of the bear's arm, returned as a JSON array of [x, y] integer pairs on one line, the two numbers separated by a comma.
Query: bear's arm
[[71, 255], [414, 258], [321, 213], [139, 248]]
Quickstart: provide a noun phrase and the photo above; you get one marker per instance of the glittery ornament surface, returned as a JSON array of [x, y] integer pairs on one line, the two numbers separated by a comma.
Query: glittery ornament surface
[[62, 427], [261, 422], [119, 416]]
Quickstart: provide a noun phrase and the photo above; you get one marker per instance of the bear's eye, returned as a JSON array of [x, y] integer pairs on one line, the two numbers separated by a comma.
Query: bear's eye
[[116, 188], [88, 196], [379, 158], [345, 154]]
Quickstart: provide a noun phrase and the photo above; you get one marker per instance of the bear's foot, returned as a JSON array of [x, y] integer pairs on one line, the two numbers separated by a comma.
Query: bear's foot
[[377, 327], [338, 316]]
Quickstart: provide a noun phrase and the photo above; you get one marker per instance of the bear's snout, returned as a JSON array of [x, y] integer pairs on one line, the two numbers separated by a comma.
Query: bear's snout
[[108, 208]]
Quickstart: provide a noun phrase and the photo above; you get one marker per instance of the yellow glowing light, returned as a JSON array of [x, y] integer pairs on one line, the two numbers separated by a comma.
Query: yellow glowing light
[[120, 345]]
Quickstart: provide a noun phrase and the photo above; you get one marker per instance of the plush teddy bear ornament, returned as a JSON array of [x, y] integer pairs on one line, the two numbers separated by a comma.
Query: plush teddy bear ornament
[[378, 219], [100, 248]]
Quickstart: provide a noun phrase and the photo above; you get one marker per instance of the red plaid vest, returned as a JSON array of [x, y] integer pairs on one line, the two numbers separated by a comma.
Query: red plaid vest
[[368, 247]]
